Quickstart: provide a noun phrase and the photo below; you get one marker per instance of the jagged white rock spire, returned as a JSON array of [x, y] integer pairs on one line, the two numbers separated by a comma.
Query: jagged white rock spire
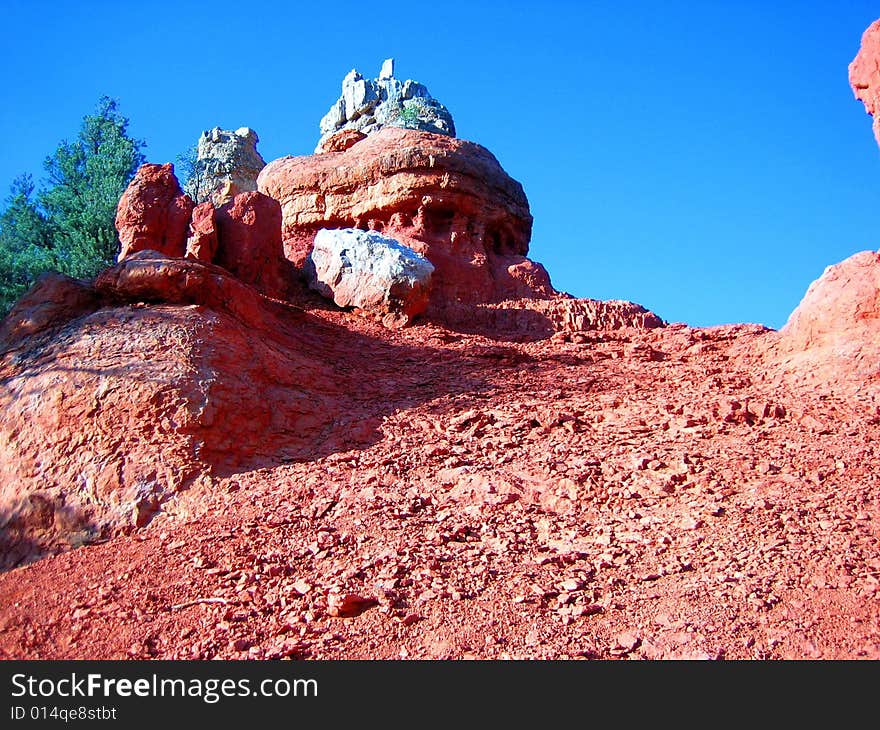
[[368, 105]]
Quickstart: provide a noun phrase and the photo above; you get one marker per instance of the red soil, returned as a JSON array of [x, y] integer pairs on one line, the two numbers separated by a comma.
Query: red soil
[[638, 494]]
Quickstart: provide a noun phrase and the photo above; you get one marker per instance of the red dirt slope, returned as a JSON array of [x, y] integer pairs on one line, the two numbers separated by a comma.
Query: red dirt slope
[[660, 493]]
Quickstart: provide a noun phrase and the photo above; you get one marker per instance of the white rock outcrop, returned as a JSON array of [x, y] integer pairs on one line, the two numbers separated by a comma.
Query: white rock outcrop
[[369, 271], [368, 105], [227, 163]]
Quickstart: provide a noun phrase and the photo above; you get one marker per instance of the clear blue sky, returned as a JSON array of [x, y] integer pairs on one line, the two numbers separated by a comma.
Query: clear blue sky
[[705, 159]]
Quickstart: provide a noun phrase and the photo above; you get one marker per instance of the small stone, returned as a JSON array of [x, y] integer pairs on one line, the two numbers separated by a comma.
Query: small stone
[[348, 605], [301, 587], [627, 641]]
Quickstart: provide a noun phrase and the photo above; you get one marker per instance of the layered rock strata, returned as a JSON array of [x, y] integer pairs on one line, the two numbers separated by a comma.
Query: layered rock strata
[[446, 198], [161, 375]]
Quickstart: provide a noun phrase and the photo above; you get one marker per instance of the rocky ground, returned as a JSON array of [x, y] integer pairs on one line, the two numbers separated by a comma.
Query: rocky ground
[[634, 494]]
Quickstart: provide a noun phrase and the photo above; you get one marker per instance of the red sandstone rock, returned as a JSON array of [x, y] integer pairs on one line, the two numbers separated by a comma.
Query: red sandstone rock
[[201, 244], [578, 315], [249, 233], [153, 213], [150, 277], [342, 140], [347, 605], [446, 198], [467, 485], [835, 330], [864, 74], [562, 317], [654, 493], [133, 401], [517, 277], [53, 300], [449, 200]]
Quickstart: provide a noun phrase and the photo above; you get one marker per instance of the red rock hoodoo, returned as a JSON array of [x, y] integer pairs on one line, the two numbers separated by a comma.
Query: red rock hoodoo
[[243, 235], [864, 74], [201, 244], [153, 213], [446, 198], [449, 200], [249, 235]]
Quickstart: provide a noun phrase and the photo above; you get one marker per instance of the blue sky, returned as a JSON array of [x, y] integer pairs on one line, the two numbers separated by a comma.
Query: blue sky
[[704, 159]]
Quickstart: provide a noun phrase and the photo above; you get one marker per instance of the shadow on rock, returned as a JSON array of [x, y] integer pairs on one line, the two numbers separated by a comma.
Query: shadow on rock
[[40, 523], [181, 373], [501, 323]]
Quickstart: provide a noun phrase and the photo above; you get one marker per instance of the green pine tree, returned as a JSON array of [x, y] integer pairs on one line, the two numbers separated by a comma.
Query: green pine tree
[[25, 244], [69, 226]]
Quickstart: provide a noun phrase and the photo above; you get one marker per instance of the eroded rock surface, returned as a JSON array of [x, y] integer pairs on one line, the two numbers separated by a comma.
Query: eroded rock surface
[[249, 242], [607, 488], [834, 334], [153, 213], [167, 373], [243, 235], [227, 164], [644, 494], [446, 198]]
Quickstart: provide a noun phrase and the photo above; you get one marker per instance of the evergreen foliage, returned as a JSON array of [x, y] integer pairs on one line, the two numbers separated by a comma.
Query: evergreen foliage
[[69, 225]]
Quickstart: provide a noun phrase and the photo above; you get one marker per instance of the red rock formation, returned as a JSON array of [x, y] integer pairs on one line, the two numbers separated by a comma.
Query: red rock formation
[[612, 491], [864, 74], [835, 331], [201, 244], [249, 233], [52, 299], [446, 198], [243, 235], [552, 499], [153, 213], [563, 317], [128, 394], [449, 200], [341, 141]]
